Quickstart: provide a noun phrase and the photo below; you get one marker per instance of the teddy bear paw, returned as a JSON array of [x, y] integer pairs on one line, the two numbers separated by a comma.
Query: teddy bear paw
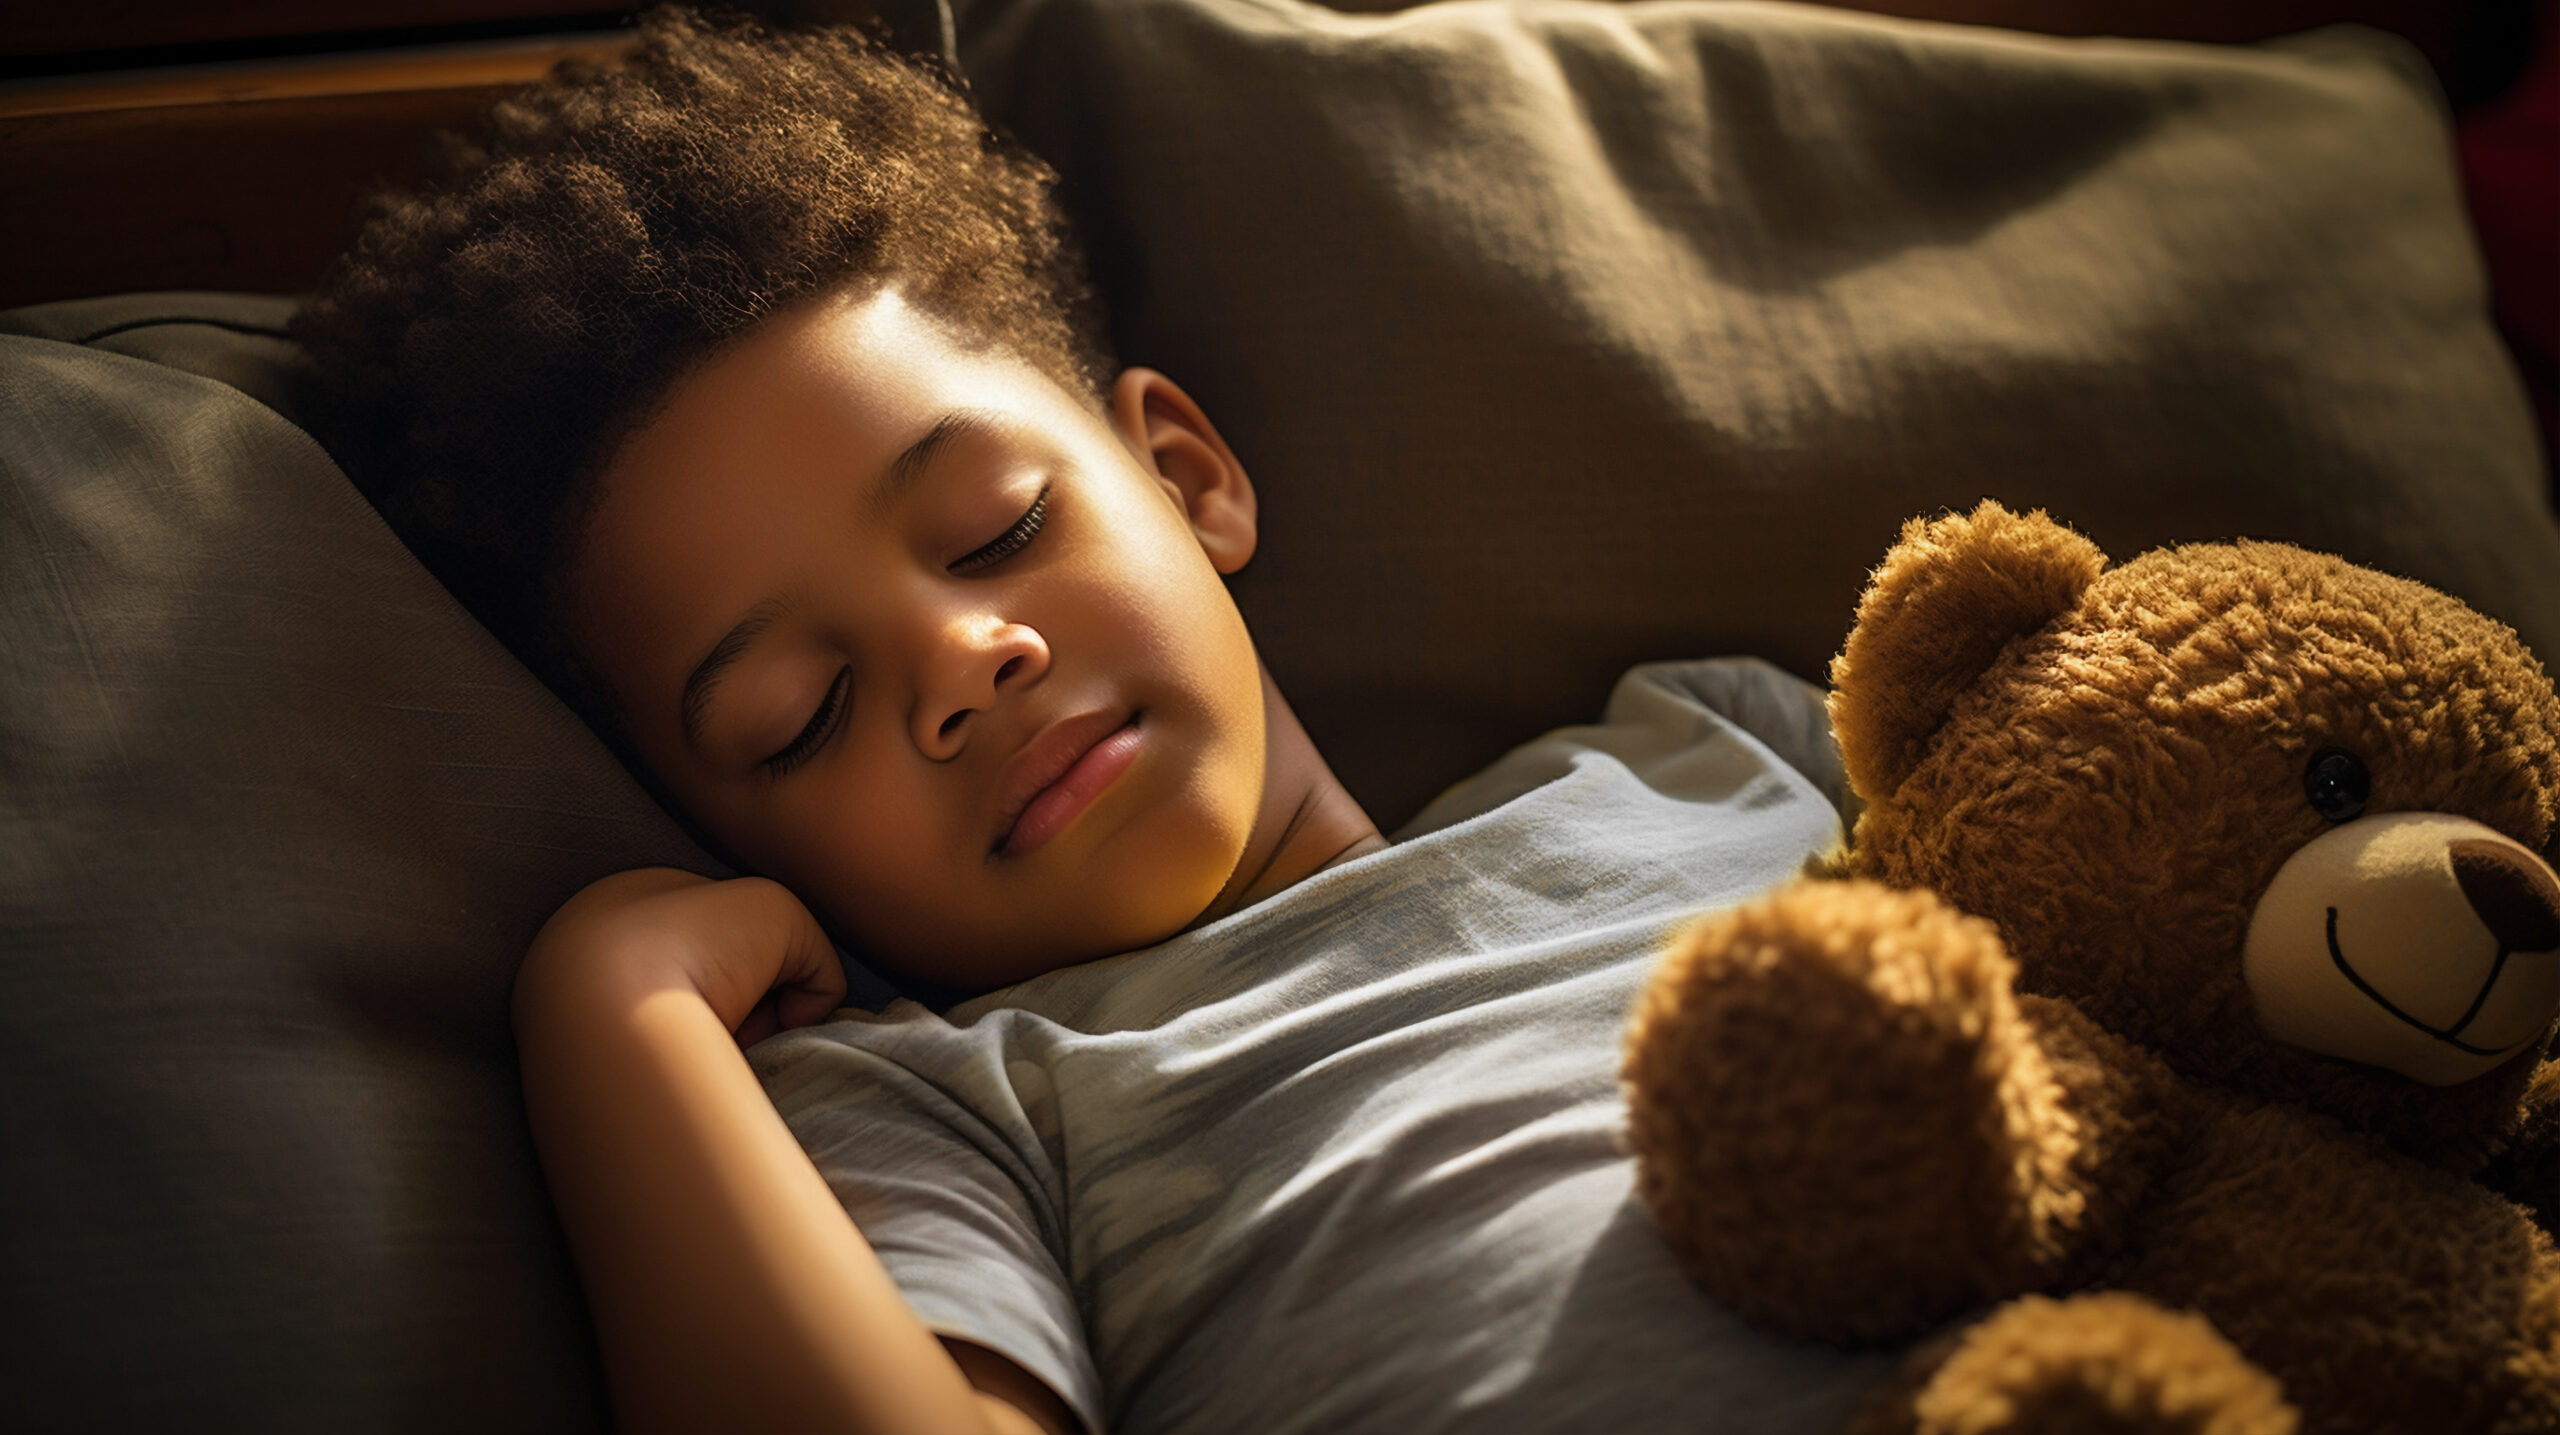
[[2105, 1363], [1840, 1121]]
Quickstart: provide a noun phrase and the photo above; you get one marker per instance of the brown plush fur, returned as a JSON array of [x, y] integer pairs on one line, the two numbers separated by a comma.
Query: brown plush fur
[[2107, 1363], [2012, 1050]]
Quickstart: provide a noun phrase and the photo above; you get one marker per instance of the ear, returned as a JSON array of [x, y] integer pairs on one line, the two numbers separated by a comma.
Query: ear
[[1175, 442], [1953, 592]]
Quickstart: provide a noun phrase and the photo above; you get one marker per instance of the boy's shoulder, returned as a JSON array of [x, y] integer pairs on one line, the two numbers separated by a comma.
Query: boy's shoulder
[[1658, 717]]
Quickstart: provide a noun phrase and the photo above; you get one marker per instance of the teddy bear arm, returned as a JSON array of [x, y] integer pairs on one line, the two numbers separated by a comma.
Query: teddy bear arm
[[2386, 1294], [2113, 1113], [2527, 1169], [1849, 1126]]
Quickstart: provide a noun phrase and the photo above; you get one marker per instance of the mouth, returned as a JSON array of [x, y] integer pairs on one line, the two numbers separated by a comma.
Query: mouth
[[2451, 1035], [1059, 773]]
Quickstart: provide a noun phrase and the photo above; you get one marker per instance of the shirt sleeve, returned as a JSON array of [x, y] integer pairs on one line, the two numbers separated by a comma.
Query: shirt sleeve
[[947, 1180]]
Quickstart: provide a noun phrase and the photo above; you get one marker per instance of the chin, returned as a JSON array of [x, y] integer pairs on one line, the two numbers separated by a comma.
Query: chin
[[1108, 888], [1151, 896], [1164, 876]]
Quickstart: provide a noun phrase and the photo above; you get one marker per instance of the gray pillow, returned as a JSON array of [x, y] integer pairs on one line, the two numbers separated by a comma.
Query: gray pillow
[[276, 822], [1564, 336]]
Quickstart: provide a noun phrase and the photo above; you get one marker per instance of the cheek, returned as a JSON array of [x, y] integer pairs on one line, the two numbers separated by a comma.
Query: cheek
[[858, 844], [1180, 607], [1200, 646]]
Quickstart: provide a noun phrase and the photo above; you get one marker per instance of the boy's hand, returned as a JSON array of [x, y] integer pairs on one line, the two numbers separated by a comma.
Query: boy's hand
[[747, 946], [729, 1290]]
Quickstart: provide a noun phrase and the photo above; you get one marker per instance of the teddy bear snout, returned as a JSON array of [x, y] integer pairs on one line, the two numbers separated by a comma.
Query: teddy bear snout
[[2422, 942]]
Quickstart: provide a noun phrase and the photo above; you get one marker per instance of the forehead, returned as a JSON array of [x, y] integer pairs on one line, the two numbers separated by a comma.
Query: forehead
[[774, 439], [803, 384]]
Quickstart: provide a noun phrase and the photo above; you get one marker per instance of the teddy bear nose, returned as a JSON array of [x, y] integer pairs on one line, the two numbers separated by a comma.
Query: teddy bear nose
[[2517, 897]]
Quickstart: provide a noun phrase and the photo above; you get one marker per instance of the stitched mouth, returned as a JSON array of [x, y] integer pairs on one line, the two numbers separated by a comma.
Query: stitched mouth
[[2450, 1036]]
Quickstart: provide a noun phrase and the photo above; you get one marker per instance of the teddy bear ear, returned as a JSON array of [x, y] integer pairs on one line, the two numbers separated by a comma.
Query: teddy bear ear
[[1953, 592]]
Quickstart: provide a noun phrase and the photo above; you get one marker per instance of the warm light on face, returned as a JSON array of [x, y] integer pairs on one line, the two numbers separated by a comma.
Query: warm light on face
[[933, 642]]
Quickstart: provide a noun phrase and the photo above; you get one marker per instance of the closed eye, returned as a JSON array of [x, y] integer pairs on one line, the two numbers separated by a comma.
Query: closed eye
[[1013, 540], [815, 732]]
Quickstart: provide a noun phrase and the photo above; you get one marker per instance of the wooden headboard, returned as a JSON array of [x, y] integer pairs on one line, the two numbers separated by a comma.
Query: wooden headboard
[[176, 144]]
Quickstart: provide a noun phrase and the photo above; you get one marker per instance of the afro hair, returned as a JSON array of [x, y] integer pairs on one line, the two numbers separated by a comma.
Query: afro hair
[[490, 340]]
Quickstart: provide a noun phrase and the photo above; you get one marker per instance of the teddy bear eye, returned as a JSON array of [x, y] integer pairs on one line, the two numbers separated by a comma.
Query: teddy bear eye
[[2337, 784]]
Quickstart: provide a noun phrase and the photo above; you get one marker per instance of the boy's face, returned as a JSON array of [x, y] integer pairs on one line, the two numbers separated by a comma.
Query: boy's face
[[935, 643]]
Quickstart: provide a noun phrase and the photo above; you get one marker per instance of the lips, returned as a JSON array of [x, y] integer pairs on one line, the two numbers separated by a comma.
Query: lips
[[1058, 774]]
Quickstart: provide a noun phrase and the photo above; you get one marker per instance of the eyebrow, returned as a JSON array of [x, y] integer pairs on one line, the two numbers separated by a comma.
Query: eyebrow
[[698, 688], [911, 465], [903, 474]]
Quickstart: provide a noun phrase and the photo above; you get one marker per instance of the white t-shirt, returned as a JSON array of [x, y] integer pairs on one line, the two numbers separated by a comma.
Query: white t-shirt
[[1350, 1159]]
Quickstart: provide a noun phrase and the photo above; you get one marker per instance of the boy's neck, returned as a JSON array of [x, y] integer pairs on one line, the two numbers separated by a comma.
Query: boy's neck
[[1309, 820]]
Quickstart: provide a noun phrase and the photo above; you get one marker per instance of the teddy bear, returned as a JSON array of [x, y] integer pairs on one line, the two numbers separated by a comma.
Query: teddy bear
[[2167, 1048]]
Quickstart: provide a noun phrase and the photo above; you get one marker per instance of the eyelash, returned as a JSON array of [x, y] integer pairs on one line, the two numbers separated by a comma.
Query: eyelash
[[816, 732], [1013, 540]]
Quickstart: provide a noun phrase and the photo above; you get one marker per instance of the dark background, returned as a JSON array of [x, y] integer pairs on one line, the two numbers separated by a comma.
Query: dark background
[[174, 144]]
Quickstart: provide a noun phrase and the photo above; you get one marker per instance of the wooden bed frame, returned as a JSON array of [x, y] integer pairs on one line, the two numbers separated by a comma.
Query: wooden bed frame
[[173, 144]]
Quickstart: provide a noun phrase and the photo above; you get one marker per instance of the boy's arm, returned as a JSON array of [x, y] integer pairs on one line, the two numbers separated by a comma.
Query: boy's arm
[[728, 1288]]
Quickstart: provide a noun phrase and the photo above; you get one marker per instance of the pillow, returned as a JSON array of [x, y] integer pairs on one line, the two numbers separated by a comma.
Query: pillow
[[1563, 336], [276, 822]]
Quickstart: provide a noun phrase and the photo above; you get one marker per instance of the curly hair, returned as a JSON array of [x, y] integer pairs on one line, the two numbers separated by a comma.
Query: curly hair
[[489, 341]]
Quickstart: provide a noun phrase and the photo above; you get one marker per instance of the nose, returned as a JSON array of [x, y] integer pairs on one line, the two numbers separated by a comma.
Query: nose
[[974, 660], [2517, 897]]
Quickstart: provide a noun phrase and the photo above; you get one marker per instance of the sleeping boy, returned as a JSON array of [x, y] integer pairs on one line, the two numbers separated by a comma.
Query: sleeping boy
[[749, 391]]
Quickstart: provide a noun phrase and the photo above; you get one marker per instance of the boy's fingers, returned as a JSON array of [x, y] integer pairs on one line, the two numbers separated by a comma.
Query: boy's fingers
[[808, 955], [806, 980], [788, 1008], [763, 1020], [808, 1006]]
